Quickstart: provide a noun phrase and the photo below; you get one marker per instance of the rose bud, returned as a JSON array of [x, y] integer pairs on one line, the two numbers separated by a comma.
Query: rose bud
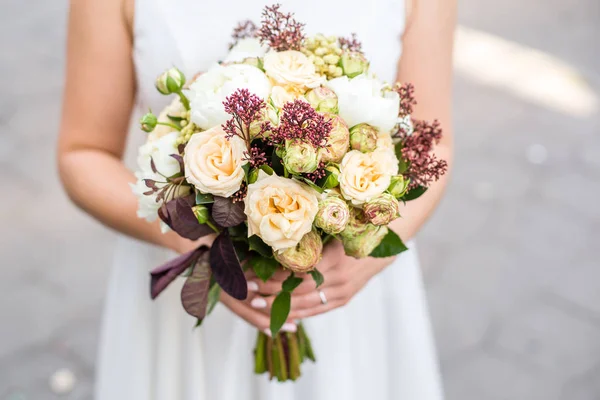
[[304, 256], [357, 223], [338, 141], [333, 215], [323, 99], [269, 114], [300, 157], [362, 246], [382, 209], [398, 186], [201, 212], [148, 122], [170, 81], [333, 178], [354, 63], [363, 137]]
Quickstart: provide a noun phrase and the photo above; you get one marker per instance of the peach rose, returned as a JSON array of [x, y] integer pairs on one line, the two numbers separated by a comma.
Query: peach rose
[[280, 210], [363, 176], [213, 163], [291, 68]]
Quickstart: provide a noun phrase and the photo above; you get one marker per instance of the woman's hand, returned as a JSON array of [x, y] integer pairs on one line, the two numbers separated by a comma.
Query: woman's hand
[[344, 277]]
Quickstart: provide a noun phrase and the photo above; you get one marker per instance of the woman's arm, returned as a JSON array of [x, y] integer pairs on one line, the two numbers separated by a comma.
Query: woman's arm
[[98, 100], [426, 62]]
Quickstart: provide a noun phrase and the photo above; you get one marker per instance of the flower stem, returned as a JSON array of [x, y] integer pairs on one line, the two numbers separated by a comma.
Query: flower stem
[[184, 100], [169, 125], [213, 226]]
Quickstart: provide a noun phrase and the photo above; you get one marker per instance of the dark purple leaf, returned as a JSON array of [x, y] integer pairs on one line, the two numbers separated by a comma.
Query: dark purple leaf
[[180, 161], [162, 276], [180, 217], [226, 213], [226, 267], [153, 166], [194, 294]]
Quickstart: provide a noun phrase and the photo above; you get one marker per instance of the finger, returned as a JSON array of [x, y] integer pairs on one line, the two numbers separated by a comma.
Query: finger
[[301, 301], [254, 317], [320, 309]]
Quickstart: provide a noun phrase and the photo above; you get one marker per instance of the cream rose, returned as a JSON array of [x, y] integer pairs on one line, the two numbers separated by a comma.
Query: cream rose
[[280, 96], [363, 176], [280, 211], [213, 164], [292, 68]]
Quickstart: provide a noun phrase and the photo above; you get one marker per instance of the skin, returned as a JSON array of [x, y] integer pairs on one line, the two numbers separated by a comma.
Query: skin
[[91, 146]]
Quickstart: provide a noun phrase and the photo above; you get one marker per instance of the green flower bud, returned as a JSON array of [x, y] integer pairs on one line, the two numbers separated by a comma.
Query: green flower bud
[[269, 114], [333, 177], [382, 209], [148, 122], [363, 137], [354, 63], [398, 186], [170, 81], [362, 245], [323, 99], [333, 215], [357, 223], [202, 214], [252, 176], [304, 256], [300, 157], [338, 141]]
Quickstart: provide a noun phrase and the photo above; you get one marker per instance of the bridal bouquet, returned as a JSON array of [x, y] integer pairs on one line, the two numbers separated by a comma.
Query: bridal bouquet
[[287, 143]]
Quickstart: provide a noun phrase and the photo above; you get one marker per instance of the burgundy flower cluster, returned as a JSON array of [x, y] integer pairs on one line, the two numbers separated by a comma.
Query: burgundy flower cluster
[[351, 43], [280, 31], [300, 121], [243, 30], [318, 174], [256, 157], [245, 108], [407, 98], [423, 166]]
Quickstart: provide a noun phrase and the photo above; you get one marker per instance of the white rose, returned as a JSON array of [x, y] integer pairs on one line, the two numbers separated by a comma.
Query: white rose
[[292, 68], [364, 176], [280, 96], [159, 151], [361, 100], [210, 89], [246, 48], [213, 163], [173, 109], [280, 210]]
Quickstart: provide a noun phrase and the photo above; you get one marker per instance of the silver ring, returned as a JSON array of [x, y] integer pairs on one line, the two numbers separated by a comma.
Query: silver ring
[[323, 297]]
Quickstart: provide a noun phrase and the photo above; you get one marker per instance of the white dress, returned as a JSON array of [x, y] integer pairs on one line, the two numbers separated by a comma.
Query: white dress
[[377, 347]]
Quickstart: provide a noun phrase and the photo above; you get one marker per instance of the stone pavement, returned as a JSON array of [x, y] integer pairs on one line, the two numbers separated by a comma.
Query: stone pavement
[[509, 258]]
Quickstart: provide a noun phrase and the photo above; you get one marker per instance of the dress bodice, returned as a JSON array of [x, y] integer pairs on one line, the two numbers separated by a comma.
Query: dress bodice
[[194, 34]]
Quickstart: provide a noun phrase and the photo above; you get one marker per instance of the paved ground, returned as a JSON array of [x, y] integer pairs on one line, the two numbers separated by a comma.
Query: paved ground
[[510, 260]]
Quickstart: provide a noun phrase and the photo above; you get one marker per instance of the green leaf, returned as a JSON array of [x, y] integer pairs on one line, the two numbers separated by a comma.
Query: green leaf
[[311, 184], [246, 168], [267, 169], [402, 164], [202, 198], [259, 246], [263, 267], [280, 311], [414, 193], [291, 283], [175, 119], [317, 277], [213, 297], [277, 164], [389, 246]]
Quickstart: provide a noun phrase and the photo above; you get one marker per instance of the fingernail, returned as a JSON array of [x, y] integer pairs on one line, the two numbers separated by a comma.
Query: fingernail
[[252, 286], [258, 302], [267, 332], [289, 327]]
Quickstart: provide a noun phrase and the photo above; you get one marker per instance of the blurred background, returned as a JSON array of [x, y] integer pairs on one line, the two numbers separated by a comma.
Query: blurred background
[[510, 258]]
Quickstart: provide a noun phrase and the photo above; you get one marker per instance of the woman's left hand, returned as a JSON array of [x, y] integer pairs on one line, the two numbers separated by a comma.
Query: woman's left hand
[[343, 276]]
